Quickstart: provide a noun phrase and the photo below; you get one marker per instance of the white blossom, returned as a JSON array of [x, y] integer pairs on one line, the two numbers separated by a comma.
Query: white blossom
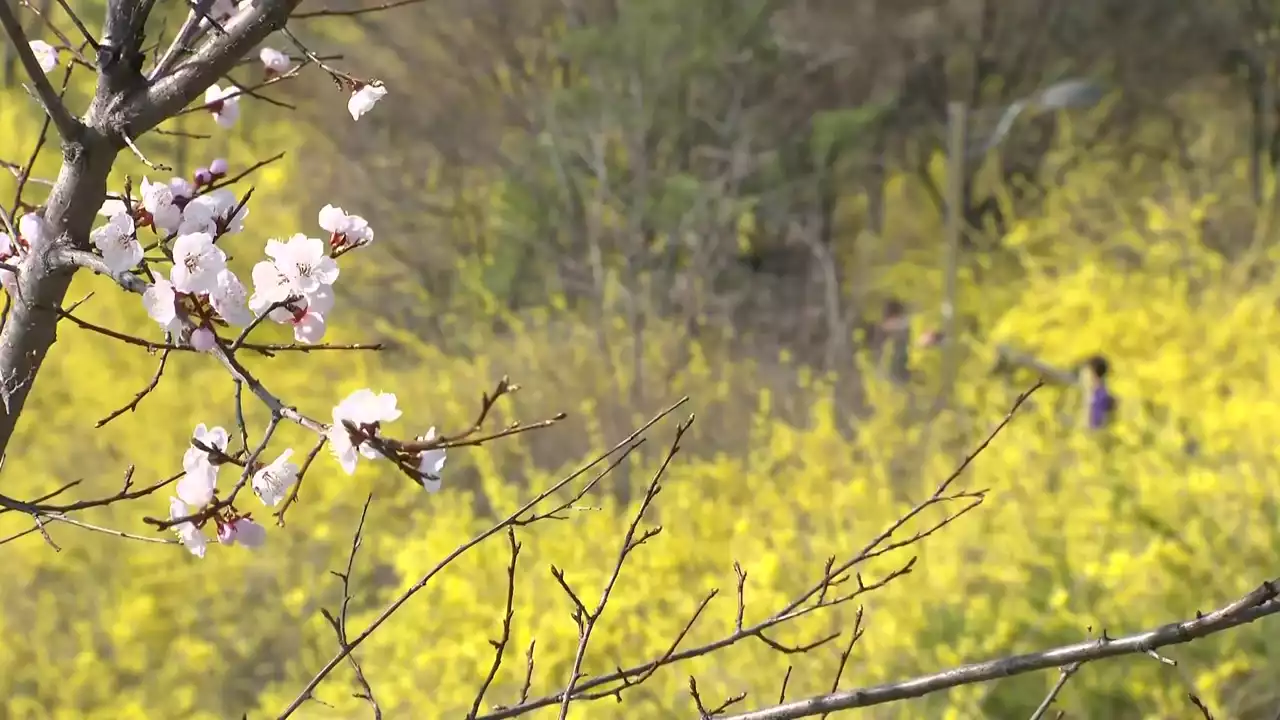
[[221, 11], [269, 286], [230, 299], [431, 463], [157, 200], [308, 326], [275, 61], [207, 212], [196, 263], [188, 533], [161, 302], [218, 167], [33, 229], [8, 250], [363, 408], [224, 104], [272, 481], [112, 207], [46, 55], [116, 241], [363, 100], [226, 533], [200, 476], [304, 262]]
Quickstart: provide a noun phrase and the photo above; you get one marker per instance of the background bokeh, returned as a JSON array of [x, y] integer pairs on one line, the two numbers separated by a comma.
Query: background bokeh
[[619, 203]]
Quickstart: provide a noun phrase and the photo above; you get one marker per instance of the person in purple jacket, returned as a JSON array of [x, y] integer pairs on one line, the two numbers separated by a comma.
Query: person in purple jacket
[[1100, 404]]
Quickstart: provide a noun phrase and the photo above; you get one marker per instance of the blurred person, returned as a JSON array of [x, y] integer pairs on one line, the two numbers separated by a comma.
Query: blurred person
[[1099, 402], [895, 336]]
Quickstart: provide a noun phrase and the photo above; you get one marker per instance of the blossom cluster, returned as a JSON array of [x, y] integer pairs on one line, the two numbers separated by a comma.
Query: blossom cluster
[[357, 421], [293, 285]]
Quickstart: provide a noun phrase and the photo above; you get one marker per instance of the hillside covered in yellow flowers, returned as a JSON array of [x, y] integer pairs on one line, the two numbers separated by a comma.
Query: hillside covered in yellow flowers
[[610, 263]]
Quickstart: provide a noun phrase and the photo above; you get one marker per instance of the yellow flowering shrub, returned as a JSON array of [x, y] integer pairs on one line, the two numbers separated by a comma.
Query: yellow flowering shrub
[[1072, 537]]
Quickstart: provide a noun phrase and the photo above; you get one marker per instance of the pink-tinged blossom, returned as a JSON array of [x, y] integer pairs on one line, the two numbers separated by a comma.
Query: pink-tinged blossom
[[274, 62], [345, 229], [203, 340]]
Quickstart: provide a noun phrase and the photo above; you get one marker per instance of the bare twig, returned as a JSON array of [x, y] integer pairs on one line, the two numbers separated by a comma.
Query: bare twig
[[832, 577], [137, 398], [75, 19], [414, 589], [354, 11], [297, 484], [848, 650], [339, 623], [500, 645], [705, 713], [587, 619], [1063, 677], [138, 153], [1204, 709]]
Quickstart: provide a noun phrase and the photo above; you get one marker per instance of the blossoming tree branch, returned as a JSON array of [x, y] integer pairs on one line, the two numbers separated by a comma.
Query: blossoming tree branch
[[167, 243]]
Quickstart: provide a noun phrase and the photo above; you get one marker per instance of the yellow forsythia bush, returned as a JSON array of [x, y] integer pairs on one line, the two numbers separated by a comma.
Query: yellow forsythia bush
[[1072, 538]]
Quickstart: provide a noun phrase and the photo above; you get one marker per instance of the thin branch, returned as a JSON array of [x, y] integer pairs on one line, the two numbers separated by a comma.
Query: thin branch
[[297, 484], [417, 587], [328, 12], [68, 126], [1063, 677], [8, 504], [138, 153], [75, 19], [1260, 603], [181, 42], [500, 645], [339, 623], [587, 620], [705, 713], [848, 650], [137, 398], [832, 577]]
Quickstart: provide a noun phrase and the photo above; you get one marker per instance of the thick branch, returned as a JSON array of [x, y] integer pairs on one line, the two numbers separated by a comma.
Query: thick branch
[[31, 328], [1258, 604], [213, 59]]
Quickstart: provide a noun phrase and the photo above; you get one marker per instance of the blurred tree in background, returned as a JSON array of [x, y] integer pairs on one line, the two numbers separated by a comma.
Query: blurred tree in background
[[619, 203]]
